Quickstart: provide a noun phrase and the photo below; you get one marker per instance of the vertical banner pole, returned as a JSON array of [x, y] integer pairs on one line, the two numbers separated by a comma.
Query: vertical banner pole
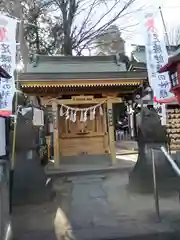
[[165, 28], [7, 86]]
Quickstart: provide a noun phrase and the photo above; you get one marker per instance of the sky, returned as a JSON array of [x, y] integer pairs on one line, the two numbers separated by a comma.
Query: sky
[[133, 35], [170, 10]]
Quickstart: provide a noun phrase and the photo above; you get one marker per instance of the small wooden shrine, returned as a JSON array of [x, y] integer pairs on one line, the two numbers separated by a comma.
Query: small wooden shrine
[[80, 93]]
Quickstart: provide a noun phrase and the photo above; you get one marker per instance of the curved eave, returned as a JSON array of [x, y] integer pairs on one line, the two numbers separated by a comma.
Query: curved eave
[[81, 83], [30, 85]]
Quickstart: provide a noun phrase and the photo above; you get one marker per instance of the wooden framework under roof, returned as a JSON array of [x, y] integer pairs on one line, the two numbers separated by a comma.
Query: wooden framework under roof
[[86, 81]]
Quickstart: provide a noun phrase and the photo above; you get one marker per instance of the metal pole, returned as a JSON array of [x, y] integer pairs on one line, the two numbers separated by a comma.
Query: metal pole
[[165, 29], [14, 130], [156, 195], [142, 94]]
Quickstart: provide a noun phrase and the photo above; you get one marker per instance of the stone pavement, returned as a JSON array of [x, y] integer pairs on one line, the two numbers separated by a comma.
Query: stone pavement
[[127, 145], [102, 208], [98, 207], [127, 158]]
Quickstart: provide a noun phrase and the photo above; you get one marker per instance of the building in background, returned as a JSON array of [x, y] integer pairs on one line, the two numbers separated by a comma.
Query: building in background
[[138, 55], [138, 63], [110, 42]]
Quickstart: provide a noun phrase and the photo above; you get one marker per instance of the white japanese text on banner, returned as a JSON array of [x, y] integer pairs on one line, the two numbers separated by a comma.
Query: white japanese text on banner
[[156, 56], [7, 62]]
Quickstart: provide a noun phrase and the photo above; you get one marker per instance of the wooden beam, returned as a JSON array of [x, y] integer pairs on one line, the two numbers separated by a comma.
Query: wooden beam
[[105, 128], [48, 141], [56, 134], [111, 131], [81, 82], [54, 92], [47, 102]]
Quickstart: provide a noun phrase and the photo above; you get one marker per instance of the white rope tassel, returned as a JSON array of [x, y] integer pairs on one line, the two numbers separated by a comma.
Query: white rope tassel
[[82, 116], [67, 114], [61, 111], [85, 116], [101, 111], [74, 116], [93, 113], [71, 115]]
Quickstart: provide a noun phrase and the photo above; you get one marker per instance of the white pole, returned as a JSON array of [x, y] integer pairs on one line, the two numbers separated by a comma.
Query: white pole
[[171, 161], [165, 28]]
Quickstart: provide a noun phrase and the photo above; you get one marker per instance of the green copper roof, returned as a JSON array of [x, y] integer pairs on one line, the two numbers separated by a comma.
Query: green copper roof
[[91, 75], [140, 56], [71, 64]]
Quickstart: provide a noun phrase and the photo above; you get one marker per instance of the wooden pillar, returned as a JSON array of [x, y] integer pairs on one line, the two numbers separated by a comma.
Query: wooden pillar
[[48, 147], [111, 131], [56, 134], [105, 127]]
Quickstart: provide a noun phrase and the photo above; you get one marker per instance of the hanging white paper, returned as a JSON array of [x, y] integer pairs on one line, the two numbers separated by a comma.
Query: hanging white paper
[[38, 117], [85, 116], [81, 116], [67, 114], [61, 111], [7, 62], [101, 111], [71, 115], [74, 116], [161, 110]]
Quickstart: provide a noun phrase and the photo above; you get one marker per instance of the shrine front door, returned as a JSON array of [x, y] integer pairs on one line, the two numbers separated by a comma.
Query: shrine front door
[[83, 136]]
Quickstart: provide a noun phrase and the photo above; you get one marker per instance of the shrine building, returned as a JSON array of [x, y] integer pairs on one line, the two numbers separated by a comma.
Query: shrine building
[[80, 93]]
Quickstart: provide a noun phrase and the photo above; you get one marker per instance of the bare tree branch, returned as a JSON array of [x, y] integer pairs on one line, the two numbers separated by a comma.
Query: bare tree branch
[[65, 26], [87, 18], [96, 32], [174, 35]]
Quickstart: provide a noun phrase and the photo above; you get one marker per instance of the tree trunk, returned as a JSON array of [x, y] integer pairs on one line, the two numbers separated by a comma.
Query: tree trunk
[[18, 12], [37, 39], [67, 47]]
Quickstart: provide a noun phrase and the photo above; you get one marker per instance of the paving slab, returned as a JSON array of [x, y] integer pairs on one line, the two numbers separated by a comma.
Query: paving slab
[[117, 212], [39, 235], [101, 209], [127, 145]]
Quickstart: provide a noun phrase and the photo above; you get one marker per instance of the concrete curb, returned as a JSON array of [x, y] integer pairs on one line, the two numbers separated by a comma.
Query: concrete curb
[[127, 153], [60, 172]]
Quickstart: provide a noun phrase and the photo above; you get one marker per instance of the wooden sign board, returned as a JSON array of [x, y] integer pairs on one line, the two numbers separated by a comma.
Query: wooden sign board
[[110, 117], [38, 117], [82, 97]]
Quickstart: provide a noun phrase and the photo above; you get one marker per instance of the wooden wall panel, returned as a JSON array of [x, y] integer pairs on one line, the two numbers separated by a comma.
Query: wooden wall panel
[[82, 145]]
